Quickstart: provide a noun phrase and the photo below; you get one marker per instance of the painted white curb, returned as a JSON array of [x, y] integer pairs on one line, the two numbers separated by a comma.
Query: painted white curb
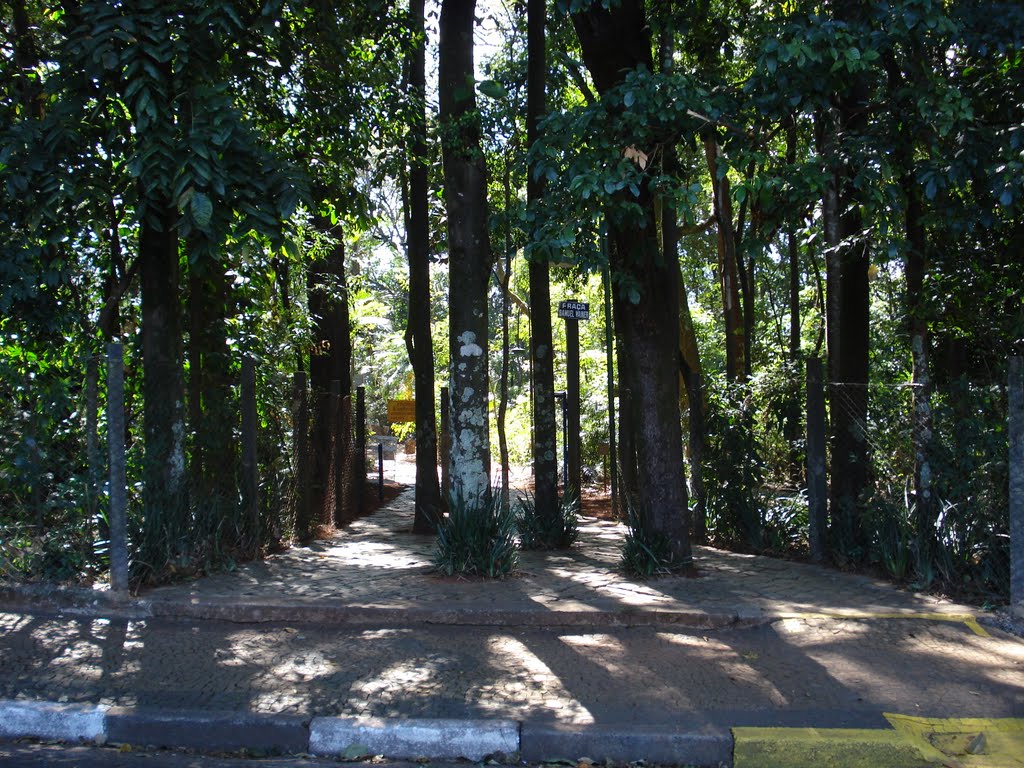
[[46, 720], [434, 738]]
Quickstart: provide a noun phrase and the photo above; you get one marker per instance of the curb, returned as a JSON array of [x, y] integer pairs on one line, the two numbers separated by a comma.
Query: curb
[[434, 739], [29, 598]]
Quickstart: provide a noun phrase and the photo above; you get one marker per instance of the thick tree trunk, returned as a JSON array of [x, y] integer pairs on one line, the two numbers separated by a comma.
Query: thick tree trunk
[[849, 297], [469, 262], [615, 41], [329, 362], [418, 338], [166, 523], [628, 483], [545, 454]]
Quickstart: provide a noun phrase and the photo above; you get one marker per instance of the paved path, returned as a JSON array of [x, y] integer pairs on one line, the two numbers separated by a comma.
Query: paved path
[[378, 563], [358, 626]]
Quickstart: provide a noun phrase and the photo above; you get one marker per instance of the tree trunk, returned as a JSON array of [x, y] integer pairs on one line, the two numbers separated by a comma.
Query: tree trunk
[[735, 367], [693, 387], [793, 430], [166, 522], [848, 277], [418, 338], [465, 176], [615, 41], [329, 361], [545, 452], [212, 412], [505, 361], [915, 266]]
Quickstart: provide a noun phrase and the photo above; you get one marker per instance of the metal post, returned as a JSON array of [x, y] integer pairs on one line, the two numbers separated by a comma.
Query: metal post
[[380, 471], [817, 490], [574, 473], [118, 513], [1016, 403], [360, 447]]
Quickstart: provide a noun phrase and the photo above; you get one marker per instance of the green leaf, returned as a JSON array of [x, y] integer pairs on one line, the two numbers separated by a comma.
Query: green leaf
[[628, 99], [202, 210], [493, 89]]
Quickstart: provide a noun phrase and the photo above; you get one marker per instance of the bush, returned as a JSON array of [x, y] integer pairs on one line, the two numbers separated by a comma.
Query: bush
[[552, 531], [477, 539], [646, 554]]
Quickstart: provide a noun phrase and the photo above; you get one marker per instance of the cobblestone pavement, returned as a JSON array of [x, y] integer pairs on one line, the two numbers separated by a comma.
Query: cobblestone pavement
[[820, 641], [376, 562], [643, 675]]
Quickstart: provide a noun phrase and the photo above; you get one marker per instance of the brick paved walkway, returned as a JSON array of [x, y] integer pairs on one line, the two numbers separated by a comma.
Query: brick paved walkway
[[549, 644]]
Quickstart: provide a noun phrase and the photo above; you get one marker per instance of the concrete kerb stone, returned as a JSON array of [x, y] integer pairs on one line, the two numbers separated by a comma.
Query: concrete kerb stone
[[414, 738], [209, 731], [708, 746], [50, 720], [94, 604], [405, 738]]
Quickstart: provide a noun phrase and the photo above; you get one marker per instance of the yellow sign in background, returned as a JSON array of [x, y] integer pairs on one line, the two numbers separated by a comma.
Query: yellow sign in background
[[401, 410]]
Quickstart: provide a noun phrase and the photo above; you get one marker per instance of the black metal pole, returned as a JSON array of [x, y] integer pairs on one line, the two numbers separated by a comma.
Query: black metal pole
[[380, 471]]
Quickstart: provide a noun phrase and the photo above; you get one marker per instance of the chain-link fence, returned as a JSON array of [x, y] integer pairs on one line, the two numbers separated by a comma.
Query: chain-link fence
[[293, 463]]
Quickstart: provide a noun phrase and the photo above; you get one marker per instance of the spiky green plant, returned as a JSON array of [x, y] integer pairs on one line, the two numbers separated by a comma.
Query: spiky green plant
[[552, 531], [477, 538]]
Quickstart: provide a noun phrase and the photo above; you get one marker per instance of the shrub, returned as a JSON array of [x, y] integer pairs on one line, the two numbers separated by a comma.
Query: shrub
[[477, 539], [646, 554], [551, 531]]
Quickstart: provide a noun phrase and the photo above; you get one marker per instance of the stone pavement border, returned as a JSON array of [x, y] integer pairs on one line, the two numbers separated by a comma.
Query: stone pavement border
[[399, 738], [995, 742]]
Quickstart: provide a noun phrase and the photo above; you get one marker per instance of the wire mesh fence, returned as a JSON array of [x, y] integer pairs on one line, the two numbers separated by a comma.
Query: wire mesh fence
[[55, 487]]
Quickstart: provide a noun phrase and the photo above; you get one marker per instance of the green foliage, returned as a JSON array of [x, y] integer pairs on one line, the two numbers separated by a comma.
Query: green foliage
[[734, 468], [477, 538], [557, 530], [647, 554], [969, 542]]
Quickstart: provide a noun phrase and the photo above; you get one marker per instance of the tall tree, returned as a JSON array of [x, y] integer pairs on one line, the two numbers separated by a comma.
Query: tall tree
[[545, 455], [616, 41], [848, 261], [418, 339], [469, 261]]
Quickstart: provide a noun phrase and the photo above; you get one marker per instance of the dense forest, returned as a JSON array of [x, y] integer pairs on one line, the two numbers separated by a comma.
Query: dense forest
[[750, 196]]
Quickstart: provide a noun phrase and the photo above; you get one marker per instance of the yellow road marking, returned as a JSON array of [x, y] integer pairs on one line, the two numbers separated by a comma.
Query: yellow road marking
[[913, 742], [968, 742]]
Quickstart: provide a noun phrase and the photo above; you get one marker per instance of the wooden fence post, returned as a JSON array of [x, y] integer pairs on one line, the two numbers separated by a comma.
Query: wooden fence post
[[300, 437], [118, 513], [817, 488], [250, 468]]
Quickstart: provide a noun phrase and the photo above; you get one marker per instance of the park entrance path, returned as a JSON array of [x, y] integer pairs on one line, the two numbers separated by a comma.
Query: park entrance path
[[376, 566], [585, 661]]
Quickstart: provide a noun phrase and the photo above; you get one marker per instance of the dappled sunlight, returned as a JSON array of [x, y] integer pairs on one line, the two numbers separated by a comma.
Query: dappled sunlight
[[737, 666], [532, 680]]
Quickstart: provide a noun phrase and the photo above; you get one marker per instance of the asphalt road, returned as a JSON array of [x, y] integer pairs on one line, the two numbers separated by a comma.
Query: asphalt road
[[35, 755]]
